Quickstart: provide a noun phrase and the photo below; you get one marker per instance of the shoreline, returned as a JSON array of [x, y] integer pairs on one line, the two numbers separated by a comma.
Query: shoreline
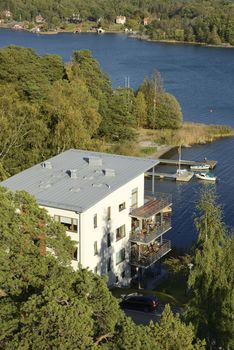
[[189, 135], [129, 34], [175, 42]]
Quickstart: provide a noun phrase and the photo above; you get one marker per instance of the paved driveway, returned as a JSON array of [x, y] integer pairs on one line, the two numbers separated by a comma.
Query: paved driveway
[[144, 318]]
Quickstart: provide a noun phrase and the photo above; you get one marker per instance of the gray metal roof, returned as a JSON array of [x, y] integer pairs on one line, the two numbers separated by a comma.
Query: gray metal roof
[[76, 179]]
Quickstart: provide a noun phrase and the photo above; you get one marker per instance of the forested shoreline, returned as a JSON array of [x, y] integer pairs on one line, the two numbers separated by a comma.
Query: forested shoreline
[[193, 21], [47, 107]]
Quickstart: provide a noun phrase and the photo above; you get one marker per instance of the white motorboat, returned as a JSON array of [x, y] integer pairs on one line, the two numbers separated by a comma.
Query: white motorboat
[[200, 167], [206, 176]]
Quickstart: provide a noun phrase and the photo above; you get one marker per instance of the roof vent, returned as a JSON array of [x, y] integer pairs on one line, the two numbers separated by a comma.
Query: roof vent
[[97, 185], [109, 172], [72, 173], [75, 189], [94, 161], [46, 165], [45, 185]]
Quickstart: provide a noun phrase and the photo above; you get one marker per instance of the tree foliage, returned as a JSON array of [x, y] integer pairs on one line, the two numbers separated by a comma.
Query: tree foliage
[[47, 107], [163, 110], [192, 21], [211, 280], [172, 334]]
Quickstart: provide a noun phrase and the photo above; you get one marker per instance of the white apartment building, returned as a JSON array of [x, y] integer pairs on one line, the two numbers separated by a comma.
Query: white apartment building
[[100, 199]]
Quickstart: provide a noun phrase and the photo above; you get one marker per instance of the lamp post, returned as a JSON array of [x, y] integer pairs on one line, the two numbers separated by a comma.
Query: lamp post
[[138, 277], [190, 266]]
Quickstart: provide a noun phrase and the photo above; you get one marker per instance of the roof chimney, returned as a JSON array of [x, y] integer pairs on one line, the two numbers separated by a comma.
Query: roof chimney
[[109, 172], [72, 173], [94, 161], [46, 165]]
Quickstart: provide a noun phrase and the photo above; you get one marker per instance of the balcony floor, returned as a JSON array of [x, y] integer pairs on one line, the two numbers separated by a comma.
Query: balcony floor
[[152, 207], [148, 258], [144, 237]]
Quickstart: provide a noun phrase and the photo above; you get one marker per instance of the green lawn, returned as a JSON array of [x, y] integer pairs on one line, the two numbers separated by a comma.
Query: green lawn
[[175, 290]]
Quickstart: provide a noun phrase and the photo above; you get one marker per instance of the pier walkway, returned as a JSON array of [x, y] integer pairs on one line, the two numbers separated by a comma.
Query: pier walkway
[[183, 177], [211, 163]]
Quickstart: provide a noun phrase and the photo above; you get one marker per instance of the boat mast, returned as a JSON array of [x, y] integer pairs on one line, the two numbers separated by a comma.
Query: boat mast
[[179, 151]]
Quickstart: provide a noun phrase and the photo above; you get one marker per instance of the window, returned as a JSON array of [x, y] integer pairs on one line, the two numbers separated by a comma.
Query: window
[[108, 213], [108, 239], [134, 198], [120, 256], [70, 223], [122, 206], [95, 221], [123, 274], [95, 248], [75, 254], [120, 232], [109, 265]]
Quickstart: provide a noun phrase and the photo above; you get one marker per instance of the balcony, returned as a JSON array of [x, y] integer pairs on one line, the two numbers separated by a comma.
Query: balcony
[[152, 207], [151, 233], [150, 255]]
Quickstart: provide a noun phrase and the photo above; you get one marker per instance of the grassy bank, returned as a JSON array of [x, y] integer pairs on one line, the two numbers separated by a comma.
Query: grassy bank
[[189, 134], [157, 142]]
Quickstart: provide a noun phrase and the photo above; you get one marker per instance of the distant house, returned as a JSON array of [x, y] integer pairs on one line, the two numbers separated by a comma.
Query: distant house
[[39, 19], [120, 20], [74, 18], [18, 27], [147, 21], [7, 13]]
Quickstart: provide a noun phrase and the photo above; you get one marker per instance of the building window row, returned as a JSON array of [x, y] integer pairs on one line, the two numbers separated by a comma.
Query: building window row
[[95, 246], [70, 223], [122, 206], [120, 232], [75, 254], [120, 256]]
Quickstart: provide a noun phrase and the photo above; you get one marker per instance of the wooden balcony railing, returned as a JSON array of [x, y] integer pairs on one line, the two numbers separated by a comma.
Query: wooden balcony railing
[[146, 259], [152, 232]]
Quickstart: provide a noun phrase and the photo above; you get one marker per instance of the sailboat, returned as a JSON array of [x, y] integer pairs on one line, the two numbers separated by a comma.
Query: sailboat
[[182, 174], [179, 170]]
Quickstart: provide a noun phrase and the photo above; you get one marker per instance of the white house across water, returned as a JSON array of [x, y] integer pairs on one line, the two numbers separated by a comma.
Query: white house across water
[[100, 199]]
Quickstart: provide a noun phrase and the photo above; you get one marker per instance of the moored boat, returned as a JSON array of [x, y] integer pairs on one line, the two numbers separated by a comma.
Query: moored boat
[[200, 167], [206, 176]]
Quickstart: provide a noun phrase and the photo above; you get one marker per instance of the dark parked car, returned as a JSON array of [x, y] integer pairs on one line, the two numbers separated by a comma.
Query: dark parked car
[[139, 302]]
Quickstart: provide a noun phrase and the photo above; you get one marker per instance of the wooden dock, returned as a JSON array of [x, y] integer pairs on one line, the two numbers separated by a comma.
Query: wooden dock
[[183, 177], [211, 163]]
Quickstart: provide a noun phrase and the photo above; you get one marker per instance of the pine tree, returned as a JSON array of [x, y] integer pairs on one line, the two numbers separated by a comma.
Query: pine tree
[[211, 280], [140, 110], [173, 334]]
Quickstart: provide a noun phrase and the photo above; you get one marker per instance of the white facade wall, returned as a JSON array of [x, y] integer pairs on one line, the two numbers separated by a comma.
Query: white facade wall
[[87, 235], [75, 236]]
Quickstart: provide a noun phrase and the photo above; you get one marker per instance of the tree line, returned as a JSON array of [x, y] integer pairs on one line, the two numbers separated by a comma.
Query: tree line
[[47, 106], [188, 20]]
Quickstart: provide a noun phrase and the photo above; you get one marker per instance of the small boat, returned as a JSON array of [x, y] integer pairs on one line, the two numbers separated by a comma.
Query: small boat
[[200, 167], [206, 176], [181, 171]]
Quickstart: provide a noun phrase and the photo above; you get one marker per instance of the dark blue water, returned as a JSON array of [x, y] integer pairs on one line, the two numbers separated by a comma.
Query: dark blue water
[[201, 78]]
